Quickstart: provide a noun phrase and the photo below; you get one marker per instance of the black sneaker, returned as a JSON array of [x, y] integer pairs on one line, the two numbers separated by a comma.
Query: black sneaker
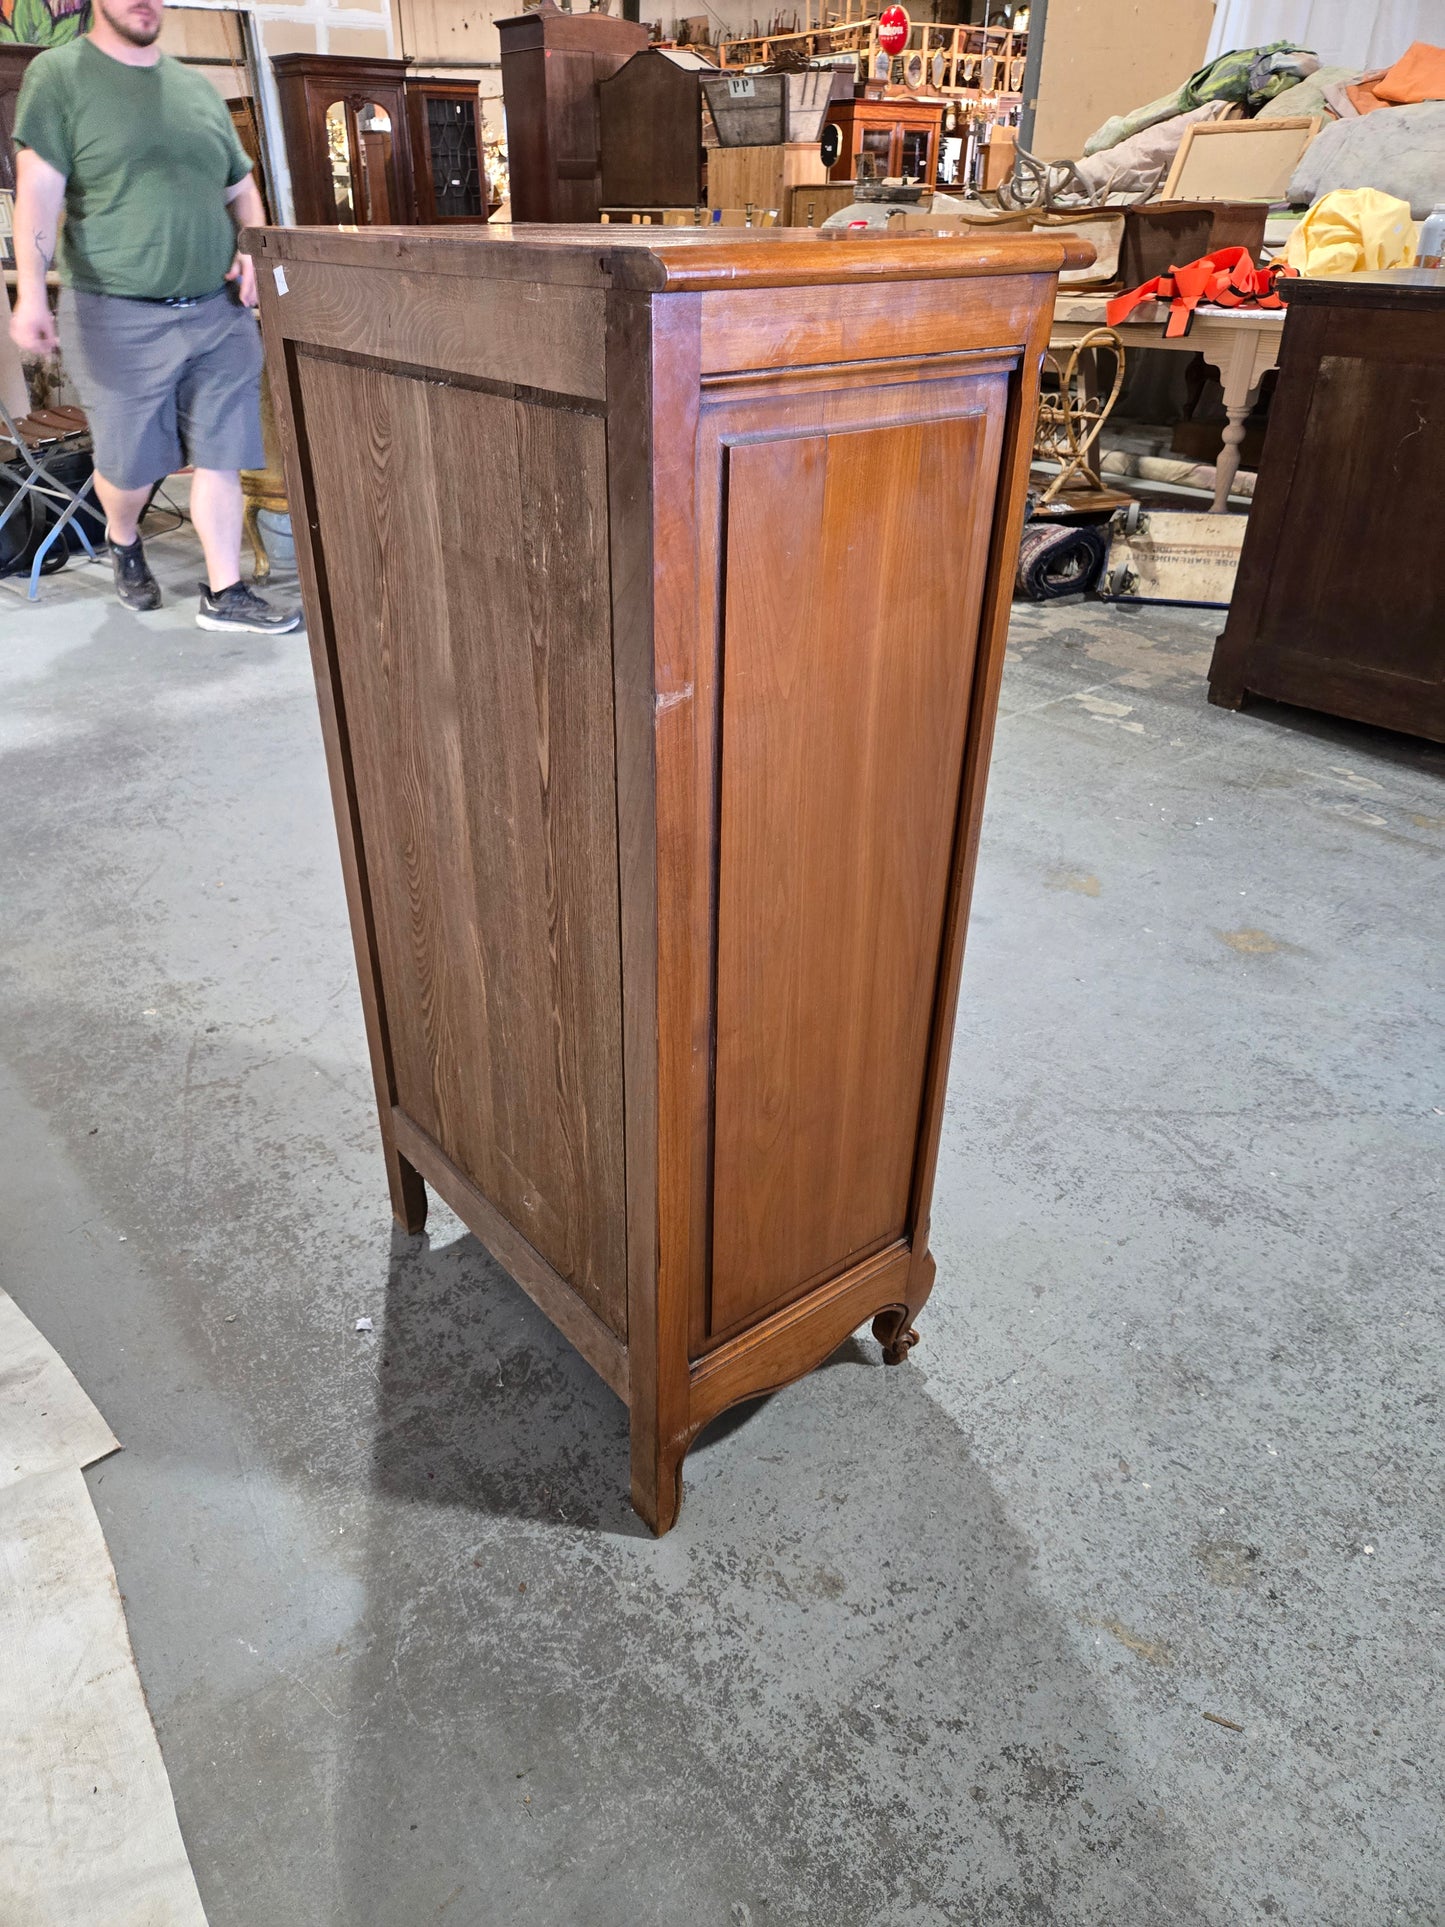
[[134, 583], [239, 607]]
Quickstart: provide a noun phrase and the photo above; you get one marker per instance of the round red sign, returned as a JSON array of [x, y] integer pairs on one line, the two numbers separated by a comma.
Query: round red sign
[[893, 26]]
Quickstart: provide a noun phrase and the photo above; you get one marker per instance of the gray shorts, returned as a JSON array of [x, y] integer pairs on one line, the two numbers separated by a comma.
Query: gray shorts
[[162, 386]]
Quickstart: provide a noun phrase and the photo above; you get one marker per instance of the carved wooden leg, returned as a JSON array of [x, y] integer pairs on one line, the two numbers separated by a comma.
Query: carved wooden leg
[[1228, 465], [895, 1333], [408, 1192], [1240, 385], [261, 567], [893, 1327]]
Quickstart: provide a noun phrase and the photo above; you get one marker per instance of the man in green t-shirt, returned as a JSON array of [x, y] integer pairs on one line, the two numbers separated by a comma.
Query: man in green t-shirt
[[156, 305]]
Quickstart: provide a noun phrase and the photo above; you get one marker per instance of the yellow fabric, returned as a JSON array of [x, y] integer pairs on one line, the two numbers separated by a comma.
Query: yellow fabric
[[1352, 230]]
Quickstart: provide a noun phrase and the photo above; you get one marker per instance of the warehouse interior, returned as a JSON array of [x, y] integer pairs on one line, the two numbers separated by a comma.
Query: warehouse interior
[[1116, 1596]]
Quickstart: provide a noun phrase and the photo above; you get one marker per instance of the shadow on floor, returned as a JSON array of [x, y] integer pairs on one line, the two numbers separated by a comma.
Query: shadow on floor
[[485, 1406], [842, 1634]]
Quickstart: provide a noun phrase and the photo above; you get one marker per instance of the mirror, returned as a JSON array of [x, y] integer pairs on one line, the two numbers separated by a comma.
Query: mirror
[[373, 129], [338, 153], [358, 147]]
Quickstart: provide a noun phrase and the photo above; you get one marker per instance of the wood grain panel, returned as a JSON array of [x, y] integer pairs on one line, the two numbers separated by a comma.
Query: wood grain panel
[[849, 636], [468, 564], [1321, 615], [517, 332]]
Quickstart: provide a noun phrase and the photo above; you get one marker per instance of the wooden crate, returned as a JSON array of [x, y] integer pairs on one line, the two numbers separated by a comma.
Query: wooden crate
[[658, 728], [748, 109], [761, 176]]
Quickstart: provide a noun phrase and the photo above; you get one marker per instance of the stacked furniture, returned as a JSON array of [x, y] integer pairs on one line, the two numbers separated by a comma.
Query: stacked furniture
[[552, 65]]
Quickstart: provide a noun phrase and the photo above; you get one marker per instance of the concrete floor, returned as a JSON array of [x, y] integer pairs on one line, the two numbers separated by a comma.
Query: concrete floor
[[928, 1646]]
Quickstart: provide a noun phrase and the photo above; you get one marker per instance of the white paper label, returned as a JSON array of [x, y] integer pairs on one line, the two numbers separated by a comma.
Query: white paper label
[[740, 87], [280, 274]]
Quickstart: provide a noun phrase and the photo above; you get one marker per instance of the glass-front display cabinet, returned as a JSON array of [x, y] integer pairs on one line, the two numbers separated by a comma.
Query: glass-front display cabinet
[[447, 150], [886, 139]]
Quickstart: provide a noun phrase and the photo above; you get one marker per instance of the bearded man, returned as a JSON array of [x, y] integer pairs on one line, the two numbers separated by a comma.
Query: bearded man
[[156, 308]]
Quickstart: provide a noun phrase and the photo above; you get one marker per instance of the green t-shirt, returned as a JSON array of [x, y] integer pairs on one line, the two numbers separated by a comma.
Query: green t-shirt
[[147, 154]]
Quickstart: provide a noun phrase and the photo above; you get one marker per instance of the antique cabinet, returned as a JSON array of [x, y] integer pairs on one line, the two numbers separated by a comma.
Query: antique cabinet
[[552, 63], [886, 139], [650, 126], [446, 149], [348, 140], [658, 715], [13, 62], [1336, 606]]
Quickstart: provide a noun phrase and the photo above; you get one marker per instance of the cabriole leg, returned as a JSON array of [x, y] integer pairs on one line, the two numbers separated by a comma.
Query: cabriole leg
[[893, 1327]]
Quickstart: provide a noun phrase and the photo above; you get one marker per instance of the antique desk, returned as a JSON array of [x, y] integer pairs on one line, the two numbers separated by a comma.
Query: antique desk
[[1338, 604], [658, 722]]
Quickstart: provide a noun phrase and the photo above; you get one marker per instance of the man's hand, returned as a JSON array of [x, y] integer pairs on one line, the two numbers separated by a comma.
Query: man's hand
[[243, 270], [247, 210], [32, 327]]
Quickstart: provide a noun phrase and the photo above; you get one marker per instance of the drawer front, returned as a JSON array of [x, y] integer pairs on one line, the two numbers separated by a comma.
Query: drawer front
[[795, 327], [853, 529]]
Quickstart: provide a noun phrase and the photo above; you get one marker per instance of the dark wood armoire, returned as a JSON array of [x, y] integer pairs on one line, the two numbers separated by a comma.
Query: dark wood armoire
[[657, 583], [348, 139], [552, 63], [446, 149], [1339, 603], [13, 63], [650, 117]]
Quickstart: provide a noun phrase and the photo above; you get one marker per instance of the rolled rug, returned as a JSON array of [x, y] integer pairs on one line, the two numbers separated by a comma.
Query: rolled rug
[[1058, 559]]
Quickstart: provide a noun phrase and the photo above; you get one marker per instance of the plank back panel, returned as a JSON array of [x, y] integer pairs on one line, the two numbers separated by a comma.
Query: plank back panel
[[849, 633], [467, 562]]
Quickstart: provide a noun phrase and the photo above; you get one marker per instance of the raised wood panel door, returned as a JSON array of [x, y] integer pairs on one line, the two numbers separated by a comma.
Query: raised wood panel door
[[465, 558], [1371, 441], [848, 637]]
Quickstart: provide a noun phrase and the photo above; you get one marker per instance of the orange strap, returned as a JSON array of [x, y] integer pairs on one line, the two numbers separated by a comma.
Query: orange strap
[[1227, 279]]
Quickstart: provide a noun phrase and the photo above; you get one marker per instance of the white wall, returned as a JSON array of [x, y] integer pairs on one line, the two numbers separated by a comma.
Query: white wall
[[1103, 57], [1344, 33]]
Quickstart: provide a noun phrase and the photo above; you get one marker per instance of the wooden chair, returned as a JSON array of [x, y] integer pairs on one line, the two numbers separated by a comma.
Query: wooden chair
[[263, 488]]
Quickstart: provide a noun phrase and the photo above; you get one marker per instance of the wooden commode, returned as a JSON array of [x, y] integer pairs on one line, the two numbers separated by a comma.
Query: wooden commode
[[658, 714]]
